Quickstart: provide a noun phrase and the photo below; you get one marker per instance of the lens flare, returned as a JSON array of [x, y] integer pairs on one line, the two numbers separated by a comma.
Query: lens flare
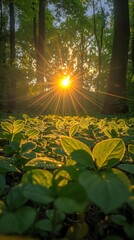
[[65, 82]]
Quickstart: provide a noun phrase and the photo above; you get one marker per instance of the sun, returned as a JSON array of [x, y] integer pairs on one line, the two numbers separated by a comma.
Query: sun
[[65, 82]]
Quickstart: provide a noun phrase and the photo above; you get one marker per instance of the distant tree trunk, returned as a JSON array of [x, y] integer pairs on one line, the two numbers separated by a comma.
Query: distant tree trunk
[[132, 39], [3, 35], [34, 26], [35, 31], [99, 39], [12, 81], [115, 101], [41, 42], [81, 61], [12, 32]]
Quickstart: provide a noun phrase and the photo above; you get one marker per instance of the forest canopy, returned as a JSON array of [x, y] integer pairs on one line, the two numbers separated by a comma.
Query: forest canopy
[[91, 42]]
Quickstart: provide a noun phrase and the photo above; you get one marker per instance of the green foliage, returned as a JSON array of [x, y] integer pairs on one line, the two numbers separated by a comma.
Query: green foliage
[[56, 172]]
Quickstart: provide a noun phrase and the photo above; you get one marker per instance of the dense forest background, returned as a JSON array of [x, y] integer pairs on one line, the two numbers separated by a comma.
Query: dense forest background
[[91, 40]]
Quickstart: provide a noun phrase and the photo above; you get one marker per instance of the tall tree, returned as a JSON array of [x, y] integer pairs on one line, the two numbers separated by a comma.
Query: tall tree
[[12, 80], [99, 32], [41, 42], [115, 101]]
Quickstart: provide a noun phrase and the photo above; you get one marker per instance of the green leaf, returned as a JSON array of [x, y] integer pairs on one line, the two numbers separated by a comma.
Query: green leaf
[[108, 189], [38, 193], [8, 127], [79, 152], [18, 126], [109, 152], [73, 129], [72, 198], [15, 197], [127, 167], [6, 166], [54, 213], [18, 222], [29, 146], [38, 176], [44, 225], [32, 133], [44, 162], [84, 123], [62, 177], [2, 183], [131, 148]]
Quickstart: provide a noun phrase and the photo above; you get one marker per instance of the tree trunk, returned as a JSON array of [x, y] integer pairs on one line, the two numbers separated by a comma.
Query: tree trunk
[[40, 44], [115, 101], [12, 81], [12, 32]]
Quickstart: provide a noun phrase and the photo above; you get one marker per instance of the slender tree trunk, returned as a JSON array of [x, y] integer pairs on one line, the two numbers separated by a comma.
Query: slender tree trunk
[[41, 41], [118, 68], [99, 40], [12, 32], [35, 31], [12, 81]]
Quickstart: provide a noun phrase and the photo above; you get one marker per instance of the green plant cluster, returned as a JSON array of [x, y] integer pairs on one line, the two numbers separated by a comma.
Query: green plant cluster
[[66, 178]]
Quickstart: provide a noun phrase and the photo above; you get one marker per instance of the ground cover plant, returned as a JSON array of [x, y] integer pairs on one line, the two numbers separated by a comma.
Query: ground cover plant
[[66, 177]]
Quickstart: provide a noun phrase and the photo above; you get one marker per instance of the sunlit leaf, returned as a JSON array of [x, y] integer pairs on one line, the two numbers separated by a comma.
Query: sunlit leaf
[[44, 162], [32, 133], [8, 127], [38, 176], [109, 152], [73, 129], [131, 148], [79, 152]]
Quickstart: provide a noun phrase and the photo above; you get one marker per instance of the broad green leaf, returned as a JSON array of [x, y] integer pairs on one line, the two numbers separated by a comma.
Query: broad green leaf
[[18, 126], [28, 146], [44, 225], [108, 189], [18, 222], [54, 213], [84, 123], [25, 217], [6, 166], [15, 197], [8, 127], [32, 133], [79, 152], [44, 162], [127, 167], [38, 176], [72, 198], [108, 152], [2, 183], [38, 193], [73, 129]]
